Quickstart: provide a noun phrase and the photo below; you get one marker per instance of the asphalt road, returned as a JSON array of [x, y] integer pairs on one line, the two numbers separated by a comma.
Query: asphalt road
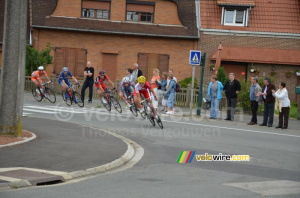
[[273, 169]]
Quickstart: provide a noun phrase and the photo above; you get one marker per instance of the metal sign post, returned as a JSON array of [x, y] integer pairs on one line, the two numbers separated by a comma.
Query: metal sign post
[[195, 59], [200, 94]]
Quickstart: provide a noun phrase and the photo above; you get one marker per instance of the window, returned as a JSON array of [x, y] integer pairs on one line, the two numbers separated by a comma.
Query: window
[[234, 17], [95, 9], [140, 16]]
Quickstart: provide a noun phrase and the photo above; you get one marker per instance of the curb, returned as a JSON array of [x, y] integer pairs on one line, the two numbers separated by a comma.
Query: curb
[[106, 167], [128, 155], [20, 142]]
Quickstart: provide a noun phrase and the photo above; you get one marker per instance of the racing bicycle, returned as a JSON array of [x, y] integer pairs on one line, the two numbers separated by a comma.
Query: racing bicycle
[[150, 112], [109, 100], [74, 96], [133, 107], [39, 93]]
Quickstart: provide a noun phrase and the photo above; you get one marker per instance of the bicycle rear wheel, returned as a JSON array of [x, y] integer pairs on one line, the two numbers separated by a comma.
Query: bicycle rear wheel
[[36, 93], [67, 100], [105, 103], [50, 95], [78, 99]]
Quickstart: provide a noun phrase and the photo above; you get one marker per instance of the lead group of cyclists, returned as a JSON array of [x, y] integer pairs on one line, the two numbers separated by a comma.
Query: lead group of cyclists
[[142, 87]]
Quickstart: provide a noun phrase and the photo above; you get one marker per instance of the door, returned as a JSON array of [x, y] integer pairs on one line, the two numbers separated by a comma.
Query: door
[[142, 62], [73, 58], [239, 69], [109, 64]]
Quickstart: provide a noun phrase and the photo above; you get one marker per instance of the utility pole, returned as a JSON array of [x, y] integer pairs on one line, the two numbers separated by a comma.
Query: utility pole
[[13, 67], [200, 94]]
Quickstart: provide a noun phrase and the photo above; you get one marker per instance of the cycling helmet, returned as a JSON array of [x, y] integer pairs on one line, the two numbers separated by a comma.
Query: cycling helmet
[[102, 73], [41, 68], [65, 69], [126, 79], [141, 79]]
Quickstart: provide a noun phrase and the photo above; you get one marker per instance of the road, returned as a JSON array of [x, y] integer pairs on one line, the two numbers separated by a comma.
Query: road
[[273, 169]]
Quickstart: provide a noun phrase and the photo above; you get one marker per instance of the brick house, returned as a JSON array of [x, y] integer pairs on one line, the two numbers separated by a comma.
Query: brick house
[[114, 34], [263, 34]]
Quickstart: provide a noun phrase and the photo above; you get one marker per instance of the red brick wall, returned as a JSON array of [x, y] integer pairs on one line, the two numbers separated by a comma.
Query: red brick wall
[[68, 8], [165, 11], [209, 44], [127, 47]]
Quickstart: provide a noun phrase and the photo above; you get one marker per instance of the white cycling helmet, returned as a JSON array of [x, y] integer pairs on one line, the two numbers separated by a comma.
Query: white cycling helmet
[[126, 79], [41, 68]]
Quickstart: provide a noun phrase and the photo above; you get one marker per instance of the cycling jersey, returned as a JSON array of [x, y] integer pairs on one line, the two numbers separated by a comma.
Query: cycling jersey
[[127, 90], [64, 77], [142, 90], [100, 81], [36, 75]]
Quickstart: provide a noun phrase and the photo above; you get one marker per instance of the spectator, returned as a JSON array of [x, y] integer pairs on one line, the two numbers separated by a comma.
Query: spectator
[[154, 86], [171, 71], [282, 104], [255, 99], [89, 82], [231, 88], [128, 75], [135, 73], [170, 94], [214, 92], [162, 84], [268, 103]]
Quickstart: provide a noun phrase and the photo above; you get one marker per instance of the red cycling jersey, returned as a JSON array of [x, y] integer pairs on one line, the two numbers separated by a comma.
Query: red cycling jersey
[[100, 81], [142, 90]]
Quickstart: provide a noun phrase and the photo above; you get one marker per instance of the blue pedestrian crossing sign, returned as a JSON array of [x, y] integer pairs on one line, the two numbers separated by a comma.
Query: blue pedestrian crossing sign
[[195, 57]]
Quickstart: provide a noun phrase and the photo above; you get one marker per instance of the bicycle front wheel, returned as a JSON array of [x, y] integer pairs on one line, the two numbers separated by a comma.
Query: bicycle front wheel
[[67, 100], [159, 122], [36, 93], [116, 104], [78, 99], [50, 95], [105, 103], [133, 109]]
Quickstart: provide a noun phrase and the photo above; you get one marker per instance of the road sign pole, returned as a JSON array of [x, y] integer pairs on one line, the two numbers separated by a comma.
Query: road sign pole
[[192, 91], [200, 94]]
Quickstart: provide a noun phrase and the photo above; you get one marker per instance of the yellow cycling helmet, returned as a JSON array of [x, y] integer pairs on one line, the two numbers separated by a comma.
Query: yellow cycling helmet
[[141, 79]]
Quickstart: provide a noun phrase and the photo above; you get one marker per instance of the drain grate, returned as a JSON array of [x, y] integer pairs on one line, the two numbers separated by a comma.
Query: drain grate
[[35, 178]]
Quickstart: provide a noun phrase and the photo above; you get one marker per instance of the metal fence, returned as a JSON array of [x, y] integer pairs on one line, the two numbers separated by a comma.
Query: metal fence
[[183, 97]]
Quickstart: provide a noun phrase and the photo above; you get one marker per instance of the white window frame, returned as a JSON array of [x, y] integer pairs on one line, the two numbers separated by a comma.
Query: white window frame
[[245, 21]]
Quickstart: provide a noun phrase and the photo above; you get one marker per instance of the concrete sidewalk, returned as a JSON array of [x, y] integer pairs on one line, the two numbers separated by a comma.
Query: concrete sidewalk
[[60, 147]]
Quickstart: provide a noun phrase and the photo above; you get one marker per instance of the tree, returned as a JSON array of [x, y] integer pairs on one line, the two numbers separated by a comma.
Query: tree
[[222, 75], [35, 58]]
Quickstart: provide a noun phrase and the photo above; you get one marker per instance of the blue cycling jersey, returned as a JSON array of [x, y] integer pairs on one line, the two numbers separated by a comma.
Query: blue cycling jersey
[[64, 77]]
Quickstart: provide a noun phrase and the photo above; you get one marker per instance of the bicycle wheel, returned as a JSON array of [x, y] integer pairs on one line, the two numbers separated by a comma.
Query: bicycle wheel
[[67, 100], [105, 103], [36, 93], [116, 104], [77, 97], [159, 122], [151, 119], [133, 109], [50, 95]]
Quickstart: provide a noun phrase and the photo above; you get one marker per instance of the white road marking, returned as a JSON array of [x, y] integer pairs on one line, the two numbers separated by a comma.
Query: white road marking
[[266, 188], [236, 129]]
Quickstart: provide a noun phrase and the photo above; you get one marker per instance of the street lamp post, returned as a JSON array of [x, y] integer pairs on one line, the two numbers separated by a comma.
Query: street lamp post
[[13, 67]]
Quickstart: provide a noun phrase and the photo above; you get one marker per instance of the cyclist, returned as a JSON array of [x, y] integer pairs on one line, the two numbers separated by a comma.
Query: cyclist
[[100, 84], [64, 81], [36, 77], [143, 87], [126, 90]]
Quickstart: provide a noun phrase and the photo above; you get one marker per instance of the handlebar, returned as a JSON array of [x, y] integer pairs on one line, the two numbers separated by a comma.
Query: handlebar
[[46, 83]]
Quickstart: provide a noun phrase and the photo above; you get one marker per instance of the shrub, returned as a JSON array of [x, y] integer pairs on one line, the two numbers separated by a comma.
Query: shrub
[[184, 83], [244, 96], [35, 58], [222, 76]]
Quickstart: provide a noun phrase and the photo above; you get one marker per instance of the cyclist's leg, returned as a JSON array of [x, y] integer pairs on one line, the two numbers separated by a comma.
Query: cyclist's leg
[[122, 95], [137, 100]]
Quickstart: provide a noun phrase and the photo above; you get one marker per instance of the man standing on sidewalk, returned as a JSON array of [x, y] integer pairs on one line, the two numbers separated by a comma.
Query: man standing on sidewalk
[[231, 88], [255, 89], [89, 82], [135, 73], [269, 103]]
